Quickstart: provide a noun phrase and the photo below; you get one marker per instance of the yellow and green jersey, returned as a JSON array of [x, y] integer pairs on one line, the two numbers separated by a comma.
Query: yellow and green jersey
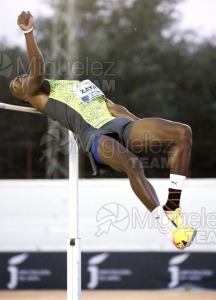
[[83, 97], [81, 107]]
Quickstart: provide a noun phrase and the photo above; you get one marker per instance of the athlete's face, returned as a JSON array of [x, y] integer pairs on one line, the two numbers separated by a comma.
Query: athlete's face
[[16, 87]]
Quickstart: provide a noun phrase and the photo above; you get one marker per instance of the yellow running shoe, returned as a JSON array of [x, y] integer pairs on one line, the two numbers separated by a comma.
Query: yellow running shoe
[[175, 217], [183, 237]]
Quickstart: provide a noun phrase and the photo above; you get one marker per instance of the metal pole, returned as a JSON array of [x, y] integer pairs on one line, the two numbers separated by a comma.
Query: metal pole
[[65, 50], [73, 243]]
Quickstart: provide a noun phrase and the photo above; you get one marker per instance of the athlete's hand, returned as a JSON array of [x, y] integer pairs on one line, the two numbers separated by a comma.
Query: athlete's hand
[[25, 20]]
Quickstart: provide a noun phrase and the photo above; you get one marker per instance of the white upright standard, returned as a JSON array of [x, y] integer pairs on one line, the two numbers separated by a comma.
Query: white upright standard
[[73, 242]]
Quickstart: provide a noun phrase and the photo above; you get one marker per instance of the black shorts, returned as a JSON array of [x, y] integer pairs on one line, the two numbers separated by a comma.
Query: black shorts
[[119, 129]]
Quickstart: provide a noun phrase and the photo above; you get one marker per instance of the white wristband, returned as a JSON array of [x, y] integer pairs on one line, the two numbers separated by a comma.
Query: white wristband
[[27, 31]]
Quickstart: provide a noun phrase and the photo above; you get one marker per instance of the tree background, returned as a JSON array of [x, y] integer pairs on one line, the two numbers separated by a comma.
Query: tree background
[[130, 51]]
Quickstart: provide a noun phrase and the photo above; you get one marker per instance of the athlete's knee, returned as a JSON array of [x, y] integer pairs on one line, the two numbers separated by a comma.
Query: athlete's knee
[[185, 134]]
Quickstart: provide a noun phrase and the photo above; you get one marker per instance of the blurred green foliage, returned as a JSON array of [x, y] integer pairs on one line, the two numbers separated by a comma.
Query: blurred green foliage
[[125, 48]]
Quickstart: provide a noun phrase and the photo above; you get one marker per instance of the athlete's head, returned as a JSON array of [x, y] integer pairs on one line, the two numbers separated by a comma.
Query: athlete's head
[[16, 87]]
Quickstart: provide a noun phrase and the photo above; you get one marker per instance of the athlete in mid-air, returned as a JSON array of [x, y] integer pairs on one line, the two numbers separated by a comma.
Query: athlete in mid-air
[[110, 134]]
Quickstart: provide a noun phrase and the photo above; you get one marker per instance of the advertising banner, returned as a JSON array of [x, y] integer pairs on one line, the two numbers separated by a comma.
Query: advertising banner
[[109, 270]]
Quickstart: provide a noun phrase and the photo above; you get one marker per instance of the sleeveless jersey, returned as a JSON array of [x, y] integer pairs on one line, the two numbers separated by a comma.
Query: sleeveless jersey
[[83, 97], [81, 107]]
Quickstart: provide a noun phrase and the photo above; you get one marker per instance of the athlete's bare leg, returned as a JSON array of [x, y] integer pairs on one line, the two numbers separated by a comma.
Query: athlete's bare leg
[[121, 159], [153, 132]]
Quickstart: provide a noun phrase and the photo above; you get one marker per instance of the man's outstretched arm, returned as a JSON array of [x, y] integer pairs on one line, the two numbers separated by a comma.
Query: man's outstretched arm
[[35, 58]]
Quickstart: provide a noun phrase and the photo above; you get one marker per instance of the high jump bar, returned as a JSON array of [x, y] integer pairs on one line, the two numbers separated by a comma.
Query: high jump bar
[[19, 108], [73, 242]]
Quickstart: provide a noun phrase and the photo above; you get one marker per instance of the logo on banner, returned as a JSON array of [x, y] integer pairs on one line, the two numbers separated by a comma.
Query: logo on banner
[[98, 274], [93, 269], [179, 275], [13, 269], [23, 275]]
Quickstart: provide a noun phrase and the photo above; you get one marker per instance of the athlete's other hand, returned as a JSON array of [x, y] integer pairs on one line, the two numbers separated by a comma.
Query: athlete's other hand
[[25, 20]]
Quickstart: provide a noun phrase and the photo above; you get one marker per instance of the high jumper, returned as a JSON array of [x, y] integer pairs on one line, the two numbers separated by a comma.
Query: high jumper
[[110, 134]]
